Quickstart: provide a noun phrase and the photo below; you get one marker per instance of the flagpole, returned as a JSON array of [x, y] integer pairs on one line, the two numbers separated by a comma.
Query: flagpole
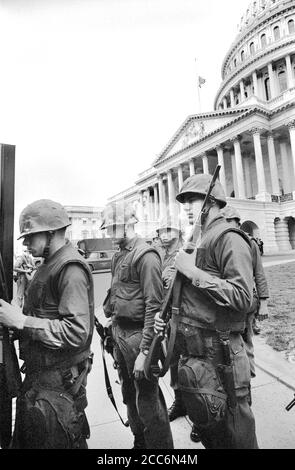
[[199, 109]]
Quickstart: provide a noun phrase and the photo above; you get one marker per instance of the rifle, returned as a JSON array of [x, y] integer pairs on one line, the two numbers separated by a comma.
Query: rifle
[[159, 356], [291, 404], [106, 344]]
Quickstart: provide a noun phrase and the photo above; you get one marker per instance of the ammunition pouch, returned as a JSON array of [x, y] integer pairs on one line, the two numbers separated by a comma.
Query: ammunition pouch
[[202, 391], [50, 414], [50, 420]]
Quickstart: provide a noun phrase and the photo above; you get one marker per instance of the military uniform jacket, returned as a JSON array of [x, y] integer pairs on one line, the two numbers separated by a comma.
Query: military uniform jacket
[[136, 290], [60, 312], [258, 271], [222, 295]]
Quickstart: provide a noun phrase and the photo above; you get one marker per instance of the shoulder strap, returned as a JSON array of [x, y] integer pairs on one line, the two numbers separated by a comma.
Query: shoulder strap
[[231, 229], [136, 254], [100, 332]]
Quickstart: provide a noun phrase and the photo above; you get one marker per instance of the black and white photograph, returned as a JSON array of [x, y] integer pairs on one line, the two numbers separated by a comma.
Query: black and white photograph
[[147, 228]]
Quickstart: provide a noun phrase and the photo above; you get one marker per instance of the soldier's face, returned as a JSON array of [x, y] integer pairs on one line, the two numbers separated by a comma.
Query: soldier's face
[[168, 235], [192, 208], [35, 243]]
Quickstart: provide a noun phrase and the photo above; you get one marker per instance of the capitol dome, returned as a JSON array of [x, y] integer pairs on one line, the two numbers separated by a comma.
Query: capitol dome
[[250, 133], [259, 61]]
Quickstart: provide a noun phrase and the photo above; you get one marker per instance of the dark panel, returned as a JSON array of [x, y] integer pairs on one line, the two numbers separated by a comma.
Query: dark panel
[[7, 169]]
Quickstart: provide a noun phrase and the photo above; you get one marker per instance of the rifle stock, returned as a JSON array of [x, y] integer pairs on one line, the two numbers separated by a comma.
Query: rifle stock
[[156, 366]]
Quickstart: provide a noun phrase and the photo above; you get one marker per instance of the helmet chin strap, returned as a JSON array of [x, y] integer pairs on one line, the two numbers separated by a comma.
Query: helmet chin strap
[[49, 236], [123, 240]]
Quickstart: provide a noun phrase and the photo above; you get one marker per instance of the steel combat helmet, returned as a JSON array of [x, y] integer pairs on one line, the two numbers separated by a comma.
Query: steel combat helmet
[[168, 222], [43, 215], [230, 213], [199, 185], [118, 213]]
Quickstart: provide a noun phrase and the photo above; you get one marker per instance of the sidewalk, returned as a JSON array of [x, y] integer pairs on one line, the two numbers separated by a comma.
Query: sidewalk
[[272, 389]]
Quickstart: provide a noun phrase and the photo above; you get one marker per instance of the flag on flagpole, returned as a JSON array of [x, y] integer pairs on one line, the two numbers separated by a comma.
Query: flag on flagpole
[[201, 81]]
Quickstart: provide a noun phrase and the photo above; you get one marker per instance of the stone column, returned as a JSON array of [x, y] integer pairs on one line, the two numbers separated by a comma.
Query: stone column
[[273, 164], [234, 173], [224, 102], [255, 83], [140, 212], [291, 127], [220, 158], [271, 81], [232, 98], [239, 169], [191, 167], [259, 161], [180, 177], [156, 202], [242, 90], [205, 164], [285, 166], [282, 235], [148, 203], [248, 176], [171, 193], [290, 79], [161, 197]]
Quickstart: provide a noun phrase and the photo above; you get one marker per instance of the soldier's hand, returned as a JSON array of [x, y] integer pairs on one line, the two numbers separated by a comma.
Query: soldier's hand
[[167, 275], [263, 311], [11, 315], [138, 369], [159, 324]]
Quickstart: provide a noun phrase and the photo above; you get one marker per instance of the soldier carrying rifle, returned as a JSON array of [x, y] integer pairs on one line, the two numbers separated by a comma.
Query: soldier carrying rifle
[[134, 298], [217, 291]]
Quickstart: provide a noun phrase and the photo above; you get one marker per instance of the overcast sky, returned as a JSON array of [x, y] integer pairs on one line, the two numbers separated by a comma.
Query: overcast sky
[[92, 90]]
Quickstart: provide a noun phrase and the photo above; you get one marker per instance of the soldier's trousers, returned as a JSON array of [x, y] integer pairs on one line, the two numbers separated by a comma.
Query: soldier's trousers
[[174, 368], [146, 407], [48, 416], [236, 430]]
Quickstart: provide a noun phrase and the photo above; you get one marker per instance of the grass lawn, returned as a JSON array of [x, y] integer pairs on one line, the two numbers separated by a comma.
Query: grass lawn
[[279, 328]]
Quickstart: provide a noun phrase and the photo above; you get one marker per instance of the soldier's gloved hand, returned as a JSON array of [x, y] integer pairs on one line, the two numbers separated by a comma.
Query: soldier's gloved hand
[[138, 369], [11, 315], [159, 324], [263, 313]]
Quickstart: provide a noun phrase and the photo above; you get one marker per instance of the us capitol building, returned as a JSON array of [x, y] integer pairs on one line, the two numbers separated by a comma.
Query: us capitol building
[[250, 133]]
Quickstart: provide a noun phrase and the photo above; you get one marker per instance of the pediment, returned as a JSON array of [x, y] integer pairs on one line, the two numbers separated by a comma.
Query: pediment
[[196, 128]]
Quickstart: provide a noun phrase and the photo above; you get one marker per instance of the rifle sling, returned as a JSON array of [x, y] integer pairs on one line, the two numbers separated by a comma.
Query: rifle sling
[[107, 381], [173, 331]]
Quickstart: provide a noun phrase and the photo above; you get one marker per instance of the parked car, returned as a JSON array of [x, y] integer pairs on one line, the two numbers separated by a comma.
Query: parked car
[[98, 252], [99, 260]]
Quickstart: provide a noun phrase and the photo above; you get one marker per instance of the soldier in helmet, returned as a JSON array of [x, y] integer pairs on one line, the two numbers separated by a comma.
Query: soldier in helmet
[[217, 290], [134, 298], [259, 307], [170, 233], [55, 331]]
